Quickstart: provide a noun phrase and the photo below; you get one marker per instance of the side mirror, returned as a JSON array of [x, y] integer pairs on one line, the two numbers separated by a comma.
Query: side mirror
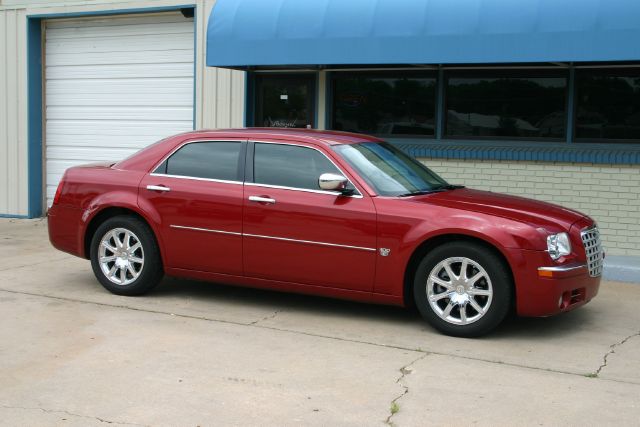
[[333, 182]]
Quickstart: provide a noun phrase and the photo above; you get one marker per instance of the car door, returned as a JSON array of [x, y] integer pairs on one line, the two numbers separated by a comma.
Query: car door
[[197, 192], [295, 232]]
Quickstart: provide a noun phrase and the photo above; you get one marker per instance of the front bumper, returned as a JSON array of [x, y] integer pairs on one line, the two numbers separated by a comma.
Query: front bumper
[[544, 290]]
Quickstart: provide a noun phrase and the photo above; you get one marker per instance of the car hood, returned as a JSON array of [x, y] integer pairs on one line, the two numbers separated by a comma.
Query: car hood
[[532, 212]]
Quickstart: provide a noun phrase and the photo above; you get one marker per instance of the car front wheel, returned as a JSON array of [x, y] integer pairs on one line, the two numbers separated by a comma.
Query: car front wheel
[[463, 289], [125, 257]]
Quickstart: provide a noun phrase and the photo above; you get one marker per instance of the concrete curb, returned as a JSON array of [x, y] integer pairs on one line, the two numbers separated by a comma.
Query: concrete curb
[[622, 269]]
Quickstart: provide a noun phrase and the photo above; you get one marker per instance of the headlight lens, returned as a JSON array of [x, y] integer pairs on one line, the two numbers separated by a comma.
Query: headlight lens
[[558, 245]]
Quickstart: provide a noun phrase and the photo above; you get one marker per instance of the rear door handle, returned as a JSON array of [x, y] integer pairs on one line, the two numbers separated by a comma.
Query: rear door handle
[[158, 188], [260, 199]]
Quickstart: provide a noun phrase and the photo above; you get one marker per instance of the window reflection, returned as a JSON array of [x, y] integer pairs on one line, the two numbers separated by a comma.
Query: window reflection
[[608, 104], [399, 103], [285, 101], [532, 107]]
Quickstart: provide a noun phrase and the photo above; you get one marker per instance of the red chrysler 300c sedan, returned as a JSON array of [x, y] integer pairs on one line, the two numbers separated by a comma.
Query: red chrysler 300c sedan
[[328, 213]]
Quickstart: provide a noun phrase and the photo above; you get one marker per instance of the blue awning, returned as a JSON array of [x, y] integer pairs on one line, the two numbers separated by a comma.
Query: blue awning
[[273, 33]]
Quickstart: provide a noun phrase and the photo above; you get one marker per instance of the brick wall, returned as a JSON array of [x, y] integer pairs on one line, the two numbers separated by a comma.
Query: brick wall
[[608, 193]]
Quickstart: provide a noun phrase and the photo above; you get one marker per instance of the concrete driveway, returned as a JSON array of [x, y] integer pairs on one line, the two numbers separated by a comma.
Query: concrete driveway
[[199, 354]]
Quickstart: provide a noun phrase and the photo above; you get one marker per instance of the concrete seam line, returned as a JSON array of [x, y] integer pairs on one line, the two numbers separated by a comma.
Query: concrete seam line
[[273, 328], [612, 349], [269, 317], [16, 267], [59, 411], [394, 408]]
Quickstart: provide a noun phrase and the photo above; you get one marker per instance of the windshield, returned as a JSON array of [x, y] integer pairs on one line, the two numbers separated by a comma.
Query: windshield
[[388, 170]]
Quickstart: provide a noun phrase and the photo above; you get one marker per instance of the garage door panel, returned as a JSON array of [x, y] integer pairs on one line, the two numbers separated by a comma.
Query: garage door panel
[[151, 58], [89, 154], [119, 21], [173, 113], [144, 43], [143, 85], [153, 70], [113, 86], [115, 128], [134, 29]]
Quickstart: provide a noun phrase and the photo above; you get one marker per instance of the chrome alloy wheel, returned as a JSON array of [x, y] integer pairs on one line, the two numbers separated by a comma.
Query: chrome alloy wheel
[[459, 290], [121, 256]]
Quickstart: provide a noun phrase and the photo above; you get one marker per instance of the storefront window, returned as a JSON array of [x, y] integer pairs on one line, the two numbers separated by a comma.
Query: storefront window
[[389, 104], [608, 104], [506, 106], [285, 100]]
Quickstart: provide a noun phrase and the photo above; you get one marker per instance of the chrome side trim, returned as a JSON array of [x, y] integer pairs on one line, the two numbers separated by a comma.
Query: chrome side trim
[[182, 227], [285, 239], [311, 242], [195, 178], [562, 269]]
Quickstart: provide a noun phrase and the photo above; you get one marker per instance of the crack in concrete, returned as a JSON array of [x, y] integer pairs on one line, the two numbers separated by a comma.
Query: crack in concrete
[[612, 349], [394, 408], [62, 411], [310, 334], [269, 317]]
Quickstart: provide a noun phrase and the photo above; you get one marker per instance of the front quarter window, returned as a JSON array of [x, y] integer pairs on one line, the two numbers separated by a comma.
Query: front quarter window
[[388, 170]]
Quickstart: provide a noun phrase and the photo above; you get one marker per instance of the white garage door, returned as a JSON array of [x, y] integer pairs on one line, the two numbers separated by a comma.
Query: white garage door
[[113, 86]]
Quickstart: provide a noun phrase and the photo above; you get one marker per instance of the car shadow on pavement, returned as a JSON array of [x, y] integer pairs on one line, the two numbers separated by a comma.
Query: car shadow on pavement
[[534, 328]]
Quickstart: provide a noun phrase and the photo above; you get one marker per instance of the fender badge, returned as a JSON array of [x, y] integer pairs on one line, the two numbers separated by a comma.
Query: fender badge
[[385, 251]]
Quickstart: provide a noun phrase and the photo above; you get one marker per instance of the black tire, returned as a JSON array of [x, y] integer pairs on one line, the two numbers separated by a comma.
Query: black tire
[[499, 283], [149, 272]]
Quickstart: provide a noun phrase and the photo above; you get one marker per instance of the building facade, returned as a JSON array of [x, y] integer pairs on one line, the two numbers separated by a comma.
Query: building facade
[[533, 99]]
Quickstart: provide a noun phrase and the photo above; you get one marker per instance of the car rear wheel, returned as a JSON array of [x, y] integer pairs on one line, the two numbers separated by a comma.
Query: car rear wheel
[[463, 289], [125, 257]]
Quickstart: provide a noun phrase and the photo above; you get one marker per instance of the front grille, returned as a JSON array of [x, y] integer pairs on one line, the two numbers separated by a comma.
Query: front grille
[[593, 248]]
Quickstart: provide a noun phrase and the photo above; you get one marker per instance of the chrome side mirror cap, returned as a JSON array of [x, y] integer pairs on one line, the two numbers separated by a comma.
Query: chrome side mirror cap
[[333, 182]]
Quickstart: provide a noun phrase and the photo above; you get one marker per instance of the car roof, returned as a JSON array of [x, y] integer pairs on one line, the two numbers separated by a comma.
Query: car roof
[[326, 137]]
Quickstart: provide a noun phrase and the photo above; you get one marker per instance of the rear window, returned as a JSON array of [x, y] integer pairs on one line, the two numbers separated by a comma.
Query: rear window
[[210, 160]]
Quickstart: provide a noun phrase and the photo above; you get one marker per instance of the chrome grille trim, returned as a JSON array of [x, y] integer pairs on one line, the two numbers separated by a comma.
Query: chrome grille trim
[[593, 249]]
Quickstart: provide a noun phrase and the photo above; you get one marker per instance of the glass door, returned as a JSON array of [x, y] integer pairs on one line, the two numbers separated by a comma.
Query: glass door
[[285, 100]]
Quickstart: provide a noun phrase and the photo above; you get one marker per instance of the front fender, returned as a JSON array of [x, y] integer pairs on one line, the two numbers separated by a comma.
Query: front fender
[[404, 234]]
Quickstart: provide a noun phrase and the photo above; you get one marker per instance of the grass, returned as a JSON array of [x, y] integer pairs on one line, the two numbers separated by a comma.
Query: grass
[[394, 408]]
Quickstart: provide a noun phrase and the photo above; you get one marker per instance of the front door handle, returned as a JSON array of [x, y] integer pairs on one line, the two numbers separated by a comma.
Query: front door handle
[[158, 188], [261, 199]]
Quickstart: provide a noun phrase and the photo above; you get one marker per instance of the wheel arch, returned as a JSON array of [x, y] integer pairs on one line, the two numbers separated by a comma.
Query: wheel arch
[[434, 241], [109, 212]]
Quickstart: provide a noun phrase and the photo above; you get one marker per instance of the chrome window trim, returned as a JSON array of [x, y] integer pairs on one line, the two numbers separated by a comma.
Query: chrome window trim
[[562, 269], [306, 190], [224, 181], [185, 143], [358, 194], [208, 230], [285, 239]]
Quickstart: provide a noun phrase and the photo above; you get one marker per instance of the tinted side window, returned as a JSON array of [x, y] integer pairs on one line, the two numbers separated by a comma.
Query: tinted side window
[[399, 103], [506, 106], [212, 160], [608, 104], [290, 166]]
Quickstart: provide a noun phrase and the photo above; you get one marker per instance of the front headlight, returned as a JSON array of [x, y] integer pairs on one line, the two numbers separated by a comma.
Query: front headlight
[[558, 245]]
